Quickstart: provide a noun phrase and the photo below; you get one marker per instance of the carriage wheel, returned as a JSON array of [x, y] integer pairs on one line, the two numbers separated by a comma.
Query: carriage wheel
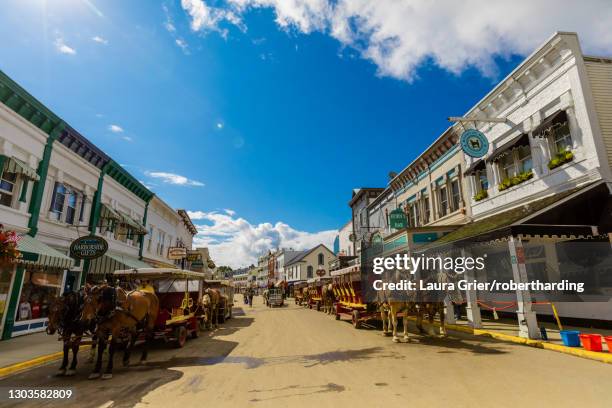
[[355, 319], [180, 334]]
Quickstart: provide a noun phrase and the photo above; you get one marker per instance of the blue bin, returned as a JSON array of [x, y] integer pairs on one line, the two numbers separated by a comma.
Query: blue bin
[[570, 338]]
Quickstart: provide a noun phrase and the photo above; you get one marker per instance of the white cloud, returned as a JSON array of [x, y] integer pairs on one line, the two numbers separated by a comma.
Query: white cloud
[[127, 138], [62, 48], [399, 36], [182, 44], [235, 242], [115, 128], [173, 178], [99, 40]]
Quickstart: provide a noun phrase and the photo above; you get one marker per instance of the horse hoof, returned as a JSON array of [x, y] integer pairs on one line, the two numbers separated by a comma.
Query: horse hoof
[[70, 373], [93, 376], [107, 376], [61, 371], [407, 338], [395, 340]]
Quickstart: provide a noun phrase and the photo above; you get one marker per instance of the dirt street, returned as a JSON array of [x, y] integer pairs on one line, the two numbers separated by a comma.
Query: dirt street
[[302, 358]]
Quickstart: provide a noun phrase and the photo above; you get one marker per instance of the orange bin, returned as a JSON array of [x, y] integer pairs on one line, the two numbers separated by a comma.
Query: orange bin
[[609, 342], [591, 342]]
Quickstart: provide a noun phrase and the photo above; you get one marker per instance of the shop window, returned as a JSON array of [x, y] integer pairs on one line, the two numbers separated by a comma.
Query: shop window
[[309, 272], [39, 290], [413, 214], [149, 239], [8, 182], [507, 167], [482, 181], [562, 139], [515, 167], [524, 159]]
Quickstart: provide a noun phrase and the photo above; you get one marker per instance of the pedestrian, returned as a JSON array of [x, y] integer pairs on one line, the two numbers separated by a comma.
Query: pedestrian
[[250, 298]]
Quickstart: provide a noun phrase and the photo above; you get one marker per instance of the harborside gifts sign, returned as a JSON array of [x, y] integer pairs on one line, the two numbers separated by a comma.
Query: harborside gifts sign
[[88, 247]]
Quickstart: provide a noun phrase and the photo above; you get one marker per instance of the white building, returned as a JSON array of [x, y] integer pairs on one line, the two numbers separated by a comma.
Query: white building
[[310, 264]]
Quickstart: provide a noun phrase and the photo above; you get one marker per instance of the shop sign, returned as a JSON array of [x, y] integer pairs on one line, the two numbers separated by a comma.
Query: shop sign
[[397, 219], [193, 256], [474, 143], [177, 253], [197, 265], [320, 272], [88, 247]]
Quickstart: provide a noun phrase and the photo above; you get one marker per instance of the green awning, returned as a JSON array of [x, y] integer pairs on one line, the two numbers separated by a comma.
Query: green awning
[[108, 213], [111, 262], [14, 165], [35, 252], [133, 224]]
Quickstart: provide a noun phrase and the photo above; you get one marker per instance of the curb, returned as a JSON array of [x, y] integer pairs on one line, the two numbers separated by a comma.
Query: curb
[[574, 351], [35, 362]]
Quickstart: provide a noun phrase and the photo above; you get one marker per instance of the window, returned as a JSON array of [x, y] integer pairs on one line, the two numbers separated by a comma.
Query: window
[[413, 214], [455, 194], [507, 168], [561, 139], [309, 272], [524, 159], [7, 188], [58, 200], [321, 259], [443, 199], [482, 182], [426, 209], [67, 204], [149, 238]]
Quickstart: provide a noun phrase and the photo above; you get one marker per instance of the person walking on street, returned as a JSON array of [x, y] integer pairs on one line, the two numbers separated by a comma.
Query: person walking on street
[[251, 298]]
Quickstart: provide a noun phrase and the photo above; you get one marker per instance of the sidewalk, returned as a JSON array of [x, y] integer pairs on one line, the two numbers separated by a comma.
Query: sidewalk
[[31, 350]]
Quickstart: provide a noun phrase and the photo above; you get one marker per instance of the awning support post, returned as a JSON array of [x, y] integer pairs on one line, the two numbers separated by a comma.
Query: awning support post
[[527, 319], [472, 309]]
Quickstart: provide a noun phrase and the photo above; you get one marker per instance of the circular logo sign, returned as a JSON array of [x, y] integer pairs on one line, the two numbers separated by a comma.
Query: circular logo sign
[[474, 143], [89, 247]]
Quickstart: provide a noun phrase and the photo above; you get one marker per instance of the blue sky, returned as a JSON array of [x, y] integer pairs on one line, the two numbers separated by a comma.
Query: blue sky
[[260, 116]]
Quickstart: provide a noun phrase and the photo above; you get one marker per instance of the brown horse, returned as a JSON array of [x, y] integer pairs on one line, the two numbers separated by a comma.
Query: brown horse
[[123, 316], [328, 298], [210, 303], [65, 319]]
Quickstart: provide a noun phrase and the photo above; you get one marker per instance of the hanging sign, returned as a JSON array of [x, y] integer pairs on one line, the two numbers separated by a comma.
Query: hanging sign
[[177, 253], [320, 272], [397, 219], [474, 143], [88, 247], [193, 256]]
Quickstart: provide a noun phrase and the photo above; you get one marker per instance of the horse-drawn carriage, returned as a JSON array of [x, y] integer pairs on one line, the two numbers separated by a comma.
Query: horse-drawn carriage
[[346, 287], [315, 292], [226, 302], [181, 314], [299, 292]]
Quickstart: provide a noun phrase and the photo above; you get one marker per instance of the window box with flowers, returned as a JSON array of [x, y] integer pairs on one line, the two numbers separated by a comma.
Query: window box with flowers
[[481, 195], [564, 156], [9, 254], [515, 180]]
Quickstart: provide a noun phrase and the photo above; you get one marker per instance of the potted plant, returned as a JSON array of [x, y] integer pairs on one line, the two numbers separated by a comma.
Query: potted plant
[[564, 156]]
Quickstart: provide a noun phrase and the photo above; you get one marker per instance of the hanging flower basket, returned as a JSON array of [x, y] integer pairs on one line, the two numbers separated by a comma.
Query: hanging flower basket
[[9, 254]]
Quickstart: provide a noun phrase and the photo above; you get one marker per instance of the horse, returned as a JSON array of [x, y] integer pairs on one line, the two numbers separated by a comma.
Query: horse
[[385, 316], [121, 315], [328, 298], [210, 304], [65, 319]]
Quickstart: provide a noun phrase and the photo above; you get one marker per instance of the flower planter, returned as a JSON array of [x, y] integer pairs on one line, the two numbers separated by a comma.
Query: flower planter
[[560, 159]]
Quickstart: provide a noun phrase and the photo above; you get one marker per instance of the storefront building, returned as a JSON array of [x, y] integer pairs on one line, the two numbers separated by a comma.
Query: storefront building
[[56, 186]]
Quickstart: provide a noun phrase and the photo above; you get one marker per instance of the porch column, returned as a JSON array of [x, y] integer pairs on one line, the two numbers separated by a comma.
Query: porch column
[[527, 319], [472, 309]]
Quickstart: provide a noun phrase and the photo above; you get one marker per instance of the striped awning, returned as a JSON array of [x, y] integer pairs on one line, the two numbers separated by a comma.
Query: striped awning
[[108, 213], [35, 252], [133, 224], [112, 262], [14, 165]]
